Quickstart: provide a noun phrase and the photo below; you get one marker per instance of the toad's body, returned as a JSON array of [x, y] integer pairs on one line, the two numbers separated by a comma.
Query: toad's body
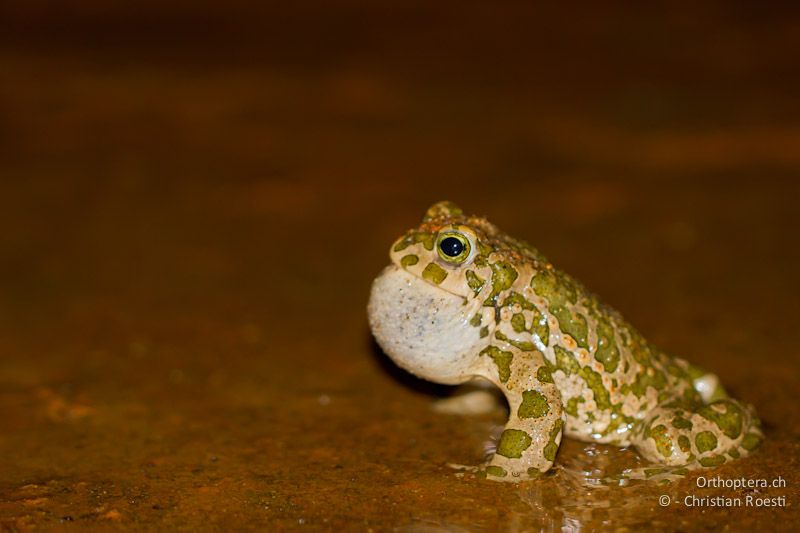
[[461, 300]]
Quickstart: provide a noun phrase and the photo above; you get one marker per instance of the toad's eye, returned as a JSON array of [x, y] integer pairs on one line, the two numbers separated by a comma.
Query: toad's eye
[[453, 247]]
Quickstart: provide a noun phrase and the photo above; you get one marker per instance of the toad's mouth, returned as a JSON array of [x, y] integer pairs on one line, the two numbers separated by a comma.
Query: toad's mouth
[[422, 327]]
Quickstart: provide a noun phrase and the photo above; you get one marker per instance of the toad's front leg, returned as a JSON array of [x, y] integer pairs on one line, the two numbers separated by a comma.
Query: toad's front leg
[[528, 445]]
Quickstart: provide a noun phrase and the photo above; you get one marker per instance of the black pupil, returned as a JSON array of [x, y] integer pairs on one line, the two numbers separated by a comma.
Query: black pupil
[[451, 246]]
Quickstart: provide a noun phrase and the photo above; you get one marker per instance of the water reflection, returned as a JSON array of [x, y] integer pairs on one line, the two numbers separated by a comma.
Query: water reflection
[[579, 496]]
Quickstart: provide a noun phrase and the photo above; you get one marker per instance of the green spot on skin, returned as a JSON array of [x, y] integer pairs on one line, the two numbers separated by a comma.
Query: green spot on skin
[[501, 359], [474, 281], [691, 396], [503, 276], [572, 405], [566, 361], [729, 421], [681, 404], [482, 259], [733, 452], [705, 441], [695, 372], [516, 298], [534, 473], [525, 346], [544, 375], [540, 327], [434, 273], [534, 405], [512, 443], [551, 447], [476, 320], [719, 393], [660, 435], [409, 260], [496, 471], [644, 379], [573, 324], [484, 331], [751, 441], [678, 372], [684, 443], [518, 323], [556, 289], [607, 352], [681, 423], [680, 471], [595, 382], [714, 460]]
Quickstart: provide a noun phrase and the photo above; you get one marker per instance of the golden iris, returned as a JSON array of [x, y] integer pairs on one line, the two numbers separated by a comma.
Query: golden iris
[[453, 247]]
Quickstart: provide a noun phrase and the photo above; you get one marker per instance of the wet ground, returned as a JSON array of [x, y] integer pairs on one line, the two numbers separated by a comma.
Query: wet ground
[[195, 199]]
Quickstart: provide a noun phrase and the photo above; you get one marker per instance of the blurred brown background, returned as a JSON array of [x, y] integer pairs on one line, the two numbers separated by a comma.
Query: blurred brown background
[[195, 196]]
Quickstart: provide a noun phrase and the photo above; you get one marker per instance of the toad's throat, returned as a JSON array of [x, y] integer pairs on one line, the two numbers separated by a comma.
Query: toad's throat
[[424, 329]]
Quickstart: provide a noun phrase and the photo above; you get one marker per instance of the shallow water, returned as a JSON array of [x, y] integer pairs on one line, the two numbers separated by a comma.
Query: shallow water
[[191, 220]]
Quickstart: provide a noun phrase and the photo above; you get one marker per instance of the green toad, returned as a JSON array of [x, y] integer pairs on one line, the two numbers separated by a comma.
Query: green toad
[[463, 301]]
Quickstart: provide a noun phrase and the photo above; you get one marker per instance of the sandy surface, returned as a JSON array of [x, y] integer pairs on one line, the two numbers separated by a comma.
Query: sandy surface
[[194, 201]]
